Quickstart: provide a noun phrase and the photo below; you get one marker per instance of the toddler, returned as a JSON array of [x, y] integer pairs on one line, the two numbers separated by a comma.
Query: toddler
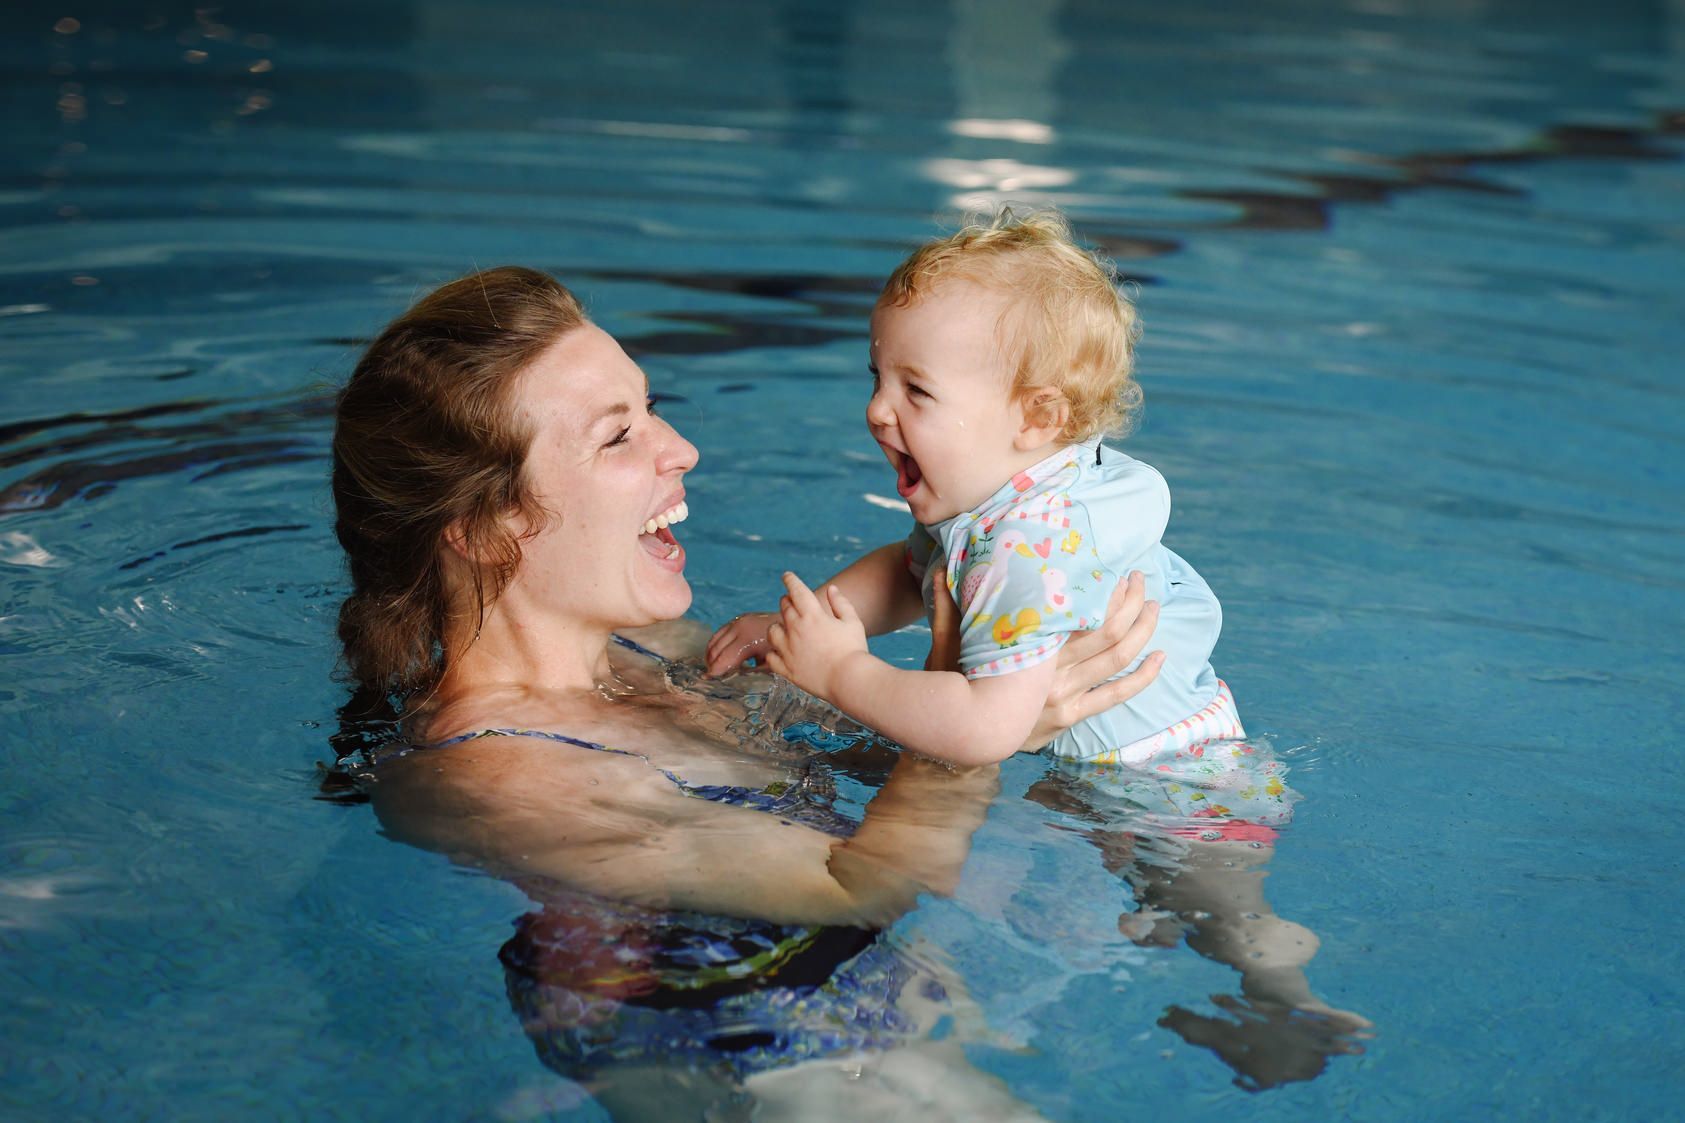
[[998, 357]]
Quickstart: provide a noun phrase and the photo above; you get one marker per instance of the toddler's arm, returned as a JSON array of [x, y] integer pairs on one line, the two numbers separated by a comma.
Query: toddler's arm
[[820, 645], [878, 584]]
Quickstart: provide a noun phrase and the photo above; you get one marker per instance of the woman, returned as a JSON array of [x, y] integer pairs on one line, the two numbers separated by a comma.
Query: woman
[[506, 498]]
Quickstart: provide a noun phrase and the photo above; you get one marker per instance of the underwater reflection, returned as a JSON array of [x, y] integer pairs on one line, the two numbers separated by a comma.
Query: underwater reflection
[[658, 1011], [1194, 848]]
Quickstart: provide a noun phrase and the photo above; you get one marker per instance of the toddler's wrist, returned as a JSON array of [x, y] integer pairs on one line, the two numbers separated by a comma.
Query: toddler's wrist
[[848, 673]]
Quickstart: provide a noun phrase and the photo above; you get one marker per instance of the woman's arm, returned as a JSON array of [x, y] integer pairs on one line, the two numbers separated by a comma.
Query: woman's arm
[[879, 585], [613, 826], [821, 647], [882, 589]]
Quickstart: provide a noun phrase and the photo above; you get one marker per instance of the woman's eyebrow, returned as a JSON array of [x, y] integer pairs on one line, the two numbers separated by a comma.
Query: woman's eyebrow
[[618, 408], [606, 412]]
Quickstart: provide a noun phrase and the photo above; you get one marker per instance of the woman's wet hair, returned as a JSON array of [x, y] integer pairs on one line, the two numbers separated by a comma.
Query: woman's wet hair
[[1068, 328], [427, 448]]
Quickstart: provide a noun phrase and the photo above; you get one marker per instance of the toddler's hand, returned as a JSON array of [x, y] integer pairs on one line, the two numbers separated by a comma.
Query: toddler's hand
[[741, 639], [813, 636]]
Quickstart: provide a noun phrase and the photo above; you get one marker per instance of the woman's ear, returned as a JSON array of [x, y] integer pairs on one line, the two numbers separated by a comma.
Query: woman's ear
[[456, 541], [1046, 413]]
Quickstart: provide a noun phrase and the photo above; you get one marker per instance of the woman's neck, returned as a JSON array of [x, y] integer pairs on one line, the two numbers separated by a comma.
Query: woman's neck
[[541, 654]]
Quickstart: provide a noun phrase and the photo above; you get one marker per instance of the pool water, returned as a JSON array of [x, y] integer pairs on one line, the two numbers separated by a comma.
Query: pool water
[[1413, 280]]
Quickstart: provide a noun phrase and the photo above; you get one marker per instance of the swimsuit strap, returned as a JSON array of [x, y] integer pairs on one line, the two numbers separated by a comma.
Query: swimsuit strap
[[511, 732], [777, 798], [561, 738], [630, 645], [634, 646]]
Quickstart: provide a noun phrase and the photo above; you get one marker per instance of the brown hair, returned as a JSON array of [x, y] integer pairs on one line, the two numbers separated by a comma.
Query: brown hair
[[426, 444], [1071, 327]]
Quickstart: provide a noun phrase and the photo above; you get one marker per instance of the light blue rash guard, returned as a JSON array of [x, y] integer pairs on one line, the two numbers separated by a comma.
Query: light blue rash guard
[[1038, 560]]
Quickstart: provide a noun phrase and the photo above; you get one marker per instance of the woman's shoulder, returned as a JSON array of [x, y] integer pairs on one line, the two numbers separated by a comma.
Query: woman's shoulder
[[503, 752], [505, 711]]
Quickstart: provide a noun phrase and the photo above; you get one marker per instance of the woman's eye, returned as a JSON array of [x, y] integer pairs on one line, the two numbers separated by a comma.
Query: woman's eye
[[619, 438], [649, 405]]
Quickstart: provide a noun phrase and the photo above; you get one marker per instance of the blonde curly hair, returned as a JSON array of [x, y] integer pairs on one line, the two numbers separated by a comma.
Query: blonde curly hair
[[1069, 327]]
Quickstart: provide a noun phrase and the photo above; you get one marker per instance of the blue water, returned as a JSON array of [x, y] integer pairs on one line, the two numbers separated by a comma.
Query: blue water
[[1413, 278]]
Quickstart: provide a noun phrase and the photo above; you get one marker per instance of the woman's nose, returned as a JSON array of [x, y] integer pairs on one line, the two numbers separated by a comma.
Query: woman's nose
[[677, 454]]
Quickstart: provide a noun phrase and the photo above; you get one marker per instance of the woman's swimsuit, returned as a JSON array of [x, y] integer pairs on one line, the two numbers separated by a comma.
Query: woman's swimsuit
[[600, 983]]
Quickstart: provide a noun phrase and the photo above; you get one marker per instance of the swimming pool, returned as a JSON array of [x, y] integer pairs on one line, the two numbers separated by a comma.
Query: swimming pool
[[1413, 279]]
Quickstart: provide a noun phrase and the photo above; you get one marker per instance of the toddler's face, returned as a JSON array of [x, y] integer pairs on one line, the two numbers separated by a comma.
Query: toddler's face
[[941, 409]]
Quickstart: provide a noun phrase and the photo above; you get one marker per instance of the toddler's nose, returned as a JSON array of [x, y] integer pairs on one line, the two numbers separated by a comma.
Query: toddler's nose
[[878, 412]]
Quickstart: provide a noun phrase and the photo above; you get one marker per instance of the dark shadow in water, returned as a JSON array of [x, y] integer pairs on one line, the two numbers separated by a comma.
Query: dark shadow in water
[[242, 532], [94, 479], [18, 430], [833, 308], [1270, 210], [207, 446]]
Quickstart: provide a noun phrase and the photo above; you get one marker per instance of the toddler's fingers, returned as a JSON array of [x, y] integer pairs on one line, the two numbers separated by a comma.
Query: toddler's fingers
[[775, 663], [776, 640], [841, 606], [799, 594]]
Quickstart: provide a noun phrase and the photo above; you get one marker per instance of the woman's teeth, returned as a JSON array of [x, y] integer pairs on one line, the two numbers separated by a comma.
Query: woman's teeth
[[667, 518]]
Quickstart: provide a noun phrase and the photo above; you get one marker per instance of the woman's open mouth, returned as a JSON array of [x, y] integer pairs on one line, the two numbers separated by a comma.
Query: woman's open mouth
[[658, 541]]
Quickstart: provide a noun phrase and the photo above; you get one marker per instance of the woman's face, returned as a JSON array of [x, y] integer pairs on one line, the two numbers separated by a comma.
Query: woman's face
[[609, 471]]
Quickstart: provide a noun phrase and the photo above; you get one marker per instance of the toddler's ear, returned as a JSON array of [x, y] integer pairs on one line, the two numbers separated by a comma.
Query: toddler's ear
[[1045, 413]]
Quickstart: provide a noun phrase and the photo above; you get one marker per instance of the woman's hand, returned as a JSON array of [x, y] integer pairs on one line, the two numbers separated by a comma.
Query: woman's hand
[[944, 632], [1089, 659], [739, 640]]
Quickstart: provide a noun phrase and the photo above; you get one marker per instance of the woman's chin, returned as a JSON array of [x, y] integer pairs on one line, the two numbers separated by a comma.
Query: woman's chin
[[658, 578], [665, 598]]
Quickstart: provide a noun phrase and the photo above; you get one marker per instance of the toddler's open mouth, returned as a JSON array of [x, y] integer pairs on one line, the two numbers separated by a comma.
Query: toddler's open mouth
[[907, 474]]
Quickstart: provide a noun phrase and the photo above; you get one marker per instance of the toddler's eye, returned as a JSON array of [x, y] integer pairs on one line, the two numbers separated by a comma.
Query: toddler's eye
[[914, 390]]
